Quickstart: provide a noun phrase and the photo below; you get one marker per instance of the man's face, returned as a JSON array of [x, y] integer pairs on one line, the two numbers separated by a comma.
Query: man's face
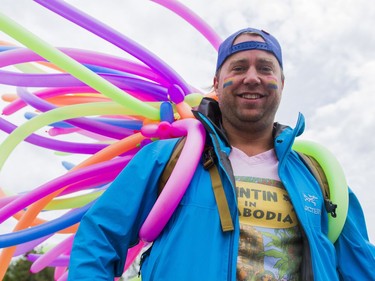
[[249, 86]]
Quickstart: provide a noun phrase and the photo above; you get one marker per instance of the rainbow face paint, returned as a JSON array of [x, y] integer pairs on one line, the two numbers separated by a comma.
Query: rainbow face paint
[[272, 84], [227, 82]]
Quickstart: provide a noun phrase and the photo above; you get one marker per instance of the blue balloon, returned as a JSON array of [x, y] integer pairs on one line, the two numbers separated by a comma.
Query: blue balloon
[[50, 227]]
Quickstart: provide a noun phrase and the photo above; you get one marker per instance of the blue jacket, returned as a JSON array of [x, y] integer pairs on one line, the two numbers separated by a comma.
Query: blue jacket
[[192, 246]]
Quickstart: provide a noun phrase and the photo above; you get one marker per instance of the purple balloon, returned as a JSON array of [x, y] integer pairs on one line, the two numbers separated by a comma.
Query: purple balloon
[[23, 248], [60, 261]]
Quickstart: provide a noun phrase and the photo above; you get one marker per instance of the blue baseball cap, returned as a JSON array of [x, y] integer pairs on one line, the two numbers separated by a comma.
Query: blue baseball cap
[[227, 48]]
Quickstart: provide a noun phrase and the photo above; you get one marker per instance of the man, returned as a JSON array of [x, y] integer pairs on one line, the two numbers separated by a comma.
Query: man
[[276, 234]]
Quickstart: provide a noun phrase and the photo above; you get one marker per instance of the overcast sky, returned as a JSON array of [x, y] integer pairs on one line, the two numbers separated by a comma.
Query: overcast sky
[[329, 63]]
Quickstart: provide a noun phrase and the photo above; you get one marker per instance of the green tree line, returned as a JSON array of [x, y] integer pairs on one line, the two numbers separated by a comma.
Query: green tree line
[[19, 270]]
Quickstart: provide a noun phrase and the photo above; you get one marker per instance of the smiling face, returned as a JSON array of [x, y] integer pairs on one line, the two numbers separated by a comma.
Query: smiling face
[[249, 86]]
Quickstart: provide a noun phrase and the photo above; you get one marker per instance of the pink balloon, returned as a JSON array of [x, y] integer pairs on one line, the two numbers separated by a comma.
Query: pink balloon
[[193, 19], [52, 255], [179, 180], [61, 274]]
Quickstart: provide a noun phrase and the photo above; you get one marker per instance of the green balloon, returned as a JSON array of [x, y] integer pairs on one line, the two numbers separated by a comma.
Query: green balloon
[[73, 202], [338, 186]]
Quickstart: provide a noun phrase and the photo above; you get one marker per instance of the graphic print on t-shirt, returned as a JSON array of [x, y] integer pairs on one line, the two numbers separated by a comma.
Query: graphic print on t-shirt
[[270, 241], [264, 202]]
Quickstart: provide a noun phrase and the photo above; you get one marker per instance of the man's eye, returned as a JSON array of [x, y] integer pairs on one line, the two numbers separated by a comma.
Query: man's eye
[[266, 69], [238, 68]]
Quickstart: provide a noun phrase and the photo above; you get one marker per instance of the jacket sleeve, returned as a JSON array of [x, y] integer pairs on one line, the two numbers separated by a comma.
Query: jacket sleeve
[[355, 254], [111, 225]]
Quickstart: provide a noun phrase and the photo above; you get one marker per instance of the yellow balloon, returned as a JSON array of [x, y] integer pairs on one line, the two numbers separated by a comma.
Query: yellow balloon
[[193, 99]]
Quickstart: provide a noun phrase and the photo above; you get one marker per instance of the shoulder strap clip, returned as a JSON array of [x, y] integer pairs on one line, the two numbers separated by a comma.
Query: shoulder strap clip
[[330, 207], [208, 157]]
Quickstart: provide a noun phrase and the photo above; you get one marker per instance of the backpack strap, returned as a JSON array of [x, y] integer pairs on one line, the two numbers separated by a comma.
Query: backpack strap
[[209, 164], [320, 176], [217, 186], [171, 163]]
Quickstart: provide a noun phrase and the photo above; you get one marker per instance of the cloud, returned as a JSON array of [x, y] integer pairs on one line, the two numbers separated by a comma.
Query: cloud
[[346, 126]]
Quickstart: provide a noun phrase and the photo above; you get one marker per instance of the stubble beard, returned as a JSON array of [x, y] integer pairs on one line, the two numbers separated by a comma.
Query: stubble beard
[[247, 123]]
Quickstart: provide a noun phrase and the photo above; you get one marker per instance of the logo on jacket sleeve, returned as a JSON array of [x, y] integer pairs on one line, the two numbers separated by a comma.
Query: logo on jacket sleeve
[[311, 201]]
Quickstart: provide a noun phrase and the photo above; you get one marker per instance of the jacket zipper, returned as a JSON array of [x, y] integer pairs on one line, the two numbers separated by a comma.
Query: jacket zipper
[[230, 258]]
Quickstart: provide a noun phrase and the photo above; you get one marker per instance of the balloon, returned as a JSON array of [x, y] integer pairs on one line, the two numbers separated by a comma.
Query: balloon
[[58, 262], [180, 177], [61, 274], [193, 19], [28, 246], [166, 112], [338, 186], [51, 256], [6, 48]]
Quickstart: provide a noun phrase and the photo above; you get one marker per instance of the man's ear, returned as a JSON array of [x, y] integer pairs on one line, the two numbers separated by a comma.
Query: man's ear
[[216, 82]]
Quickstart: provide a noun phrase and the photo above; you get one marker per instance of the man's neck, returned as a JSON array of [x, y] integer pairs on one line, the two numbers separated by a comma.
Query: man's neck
[[251, 142]]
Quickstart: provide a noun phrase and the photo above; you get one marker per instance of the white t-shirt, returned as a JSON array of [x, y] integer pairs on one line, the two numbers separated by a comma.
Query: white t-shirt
[[270, 245]]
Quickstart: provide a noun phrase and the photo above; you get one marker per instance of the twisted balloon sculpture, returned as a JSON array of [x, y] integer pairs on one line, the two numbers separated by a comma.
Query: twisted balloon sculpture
[[107, 98]]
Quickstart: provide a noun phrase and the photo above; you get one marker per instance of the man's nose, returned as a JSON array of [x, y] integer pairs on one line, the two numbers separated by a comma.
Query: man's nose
[[251, 77]]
